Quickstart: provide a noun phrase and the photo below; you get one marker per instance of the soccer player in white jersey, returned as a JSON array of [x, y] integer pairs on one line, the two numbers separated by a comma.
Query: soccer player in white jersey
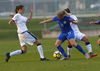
[[79, 37], [67, 33], [25, 37]]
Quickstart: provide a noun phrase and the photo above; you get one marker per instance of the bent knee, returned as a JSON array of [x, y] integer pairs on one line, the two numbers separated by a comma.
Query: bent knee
[[73, 44], [56, 45]]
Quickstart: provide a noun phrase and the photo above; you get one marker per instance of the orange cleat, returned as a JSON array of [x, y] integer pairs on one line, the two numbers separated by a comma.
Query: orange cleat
[[93, 55]]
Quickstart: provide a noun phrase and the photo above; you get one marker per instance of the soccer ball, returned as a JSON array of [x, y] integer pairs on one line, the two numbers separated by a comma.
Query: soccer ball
[[57, 54]]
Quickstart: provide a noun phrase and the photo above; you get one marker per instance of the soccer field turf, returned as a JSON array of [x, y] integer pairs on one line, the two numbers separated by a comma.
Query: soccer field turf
[[31, 60]]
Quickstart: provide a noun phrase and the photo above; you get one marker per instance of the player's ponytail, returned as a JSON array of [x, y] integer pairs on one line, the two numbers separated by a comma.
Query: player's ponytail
[[16, 10], [11, 16], [67, 11], [18, 7]]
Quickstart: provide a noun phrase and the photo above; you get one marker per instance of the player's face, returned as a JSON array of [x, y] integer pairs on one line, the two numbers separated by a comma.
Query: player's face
[[23, 10]]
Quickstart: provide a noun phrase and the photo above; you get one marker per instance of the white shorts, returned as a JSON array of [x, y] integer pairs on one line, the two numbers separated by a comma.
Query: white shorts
[[79, 36], [26, 38]]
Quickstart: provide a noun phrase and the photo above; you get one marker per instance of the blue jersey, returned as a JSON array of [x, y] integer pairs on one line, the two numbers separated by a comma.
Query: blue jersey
[[99, 21], [64, 23]]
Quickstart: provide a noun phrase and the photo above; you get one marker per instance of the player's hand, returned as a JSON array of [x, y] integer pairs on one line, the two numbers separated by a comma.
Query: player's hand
[[11, 22], [70, 20], [31, 9], [92, 22], [41, 23]]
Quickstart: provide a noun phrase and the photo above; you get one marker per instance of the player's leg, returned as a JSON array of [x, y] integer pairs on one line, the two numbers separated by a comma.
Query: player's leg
[[60, 48], [40, 50], [72, 42], [17, 52], [23, 45], [69, 49], [89, 47]]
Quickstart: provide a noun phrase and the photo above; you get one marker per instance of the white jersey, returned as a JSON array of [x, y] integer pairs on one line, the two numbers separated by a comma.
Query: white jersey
[[74, 26], [78, 34], [20, 22]]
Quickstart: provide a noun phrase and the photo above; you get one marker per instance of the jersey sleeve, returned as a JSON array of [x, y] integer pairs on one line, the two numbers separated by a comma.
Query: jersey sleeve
[[99, 21], [26, 19], [55, 18], [74, 17], [71, 18], [15, 17]]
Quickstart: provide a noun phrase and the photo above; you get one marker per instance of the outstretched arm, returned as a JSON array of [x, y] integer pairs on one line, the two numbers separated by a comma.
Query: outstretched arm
[[30, 17], [46, 21], [75, 22], [95, 23]]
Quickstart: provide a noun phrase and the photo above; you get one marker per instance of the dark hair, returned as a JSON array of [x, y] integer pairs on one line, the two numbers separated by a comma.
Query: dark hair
[[18, 7], [67, 10]]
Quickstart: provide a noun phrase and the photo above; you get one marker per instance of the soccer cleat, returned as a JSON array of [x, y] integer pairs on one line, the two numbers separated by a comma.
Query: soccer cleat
[[69, 56], [65, 58], [93, 54], [7, 56], [87, 56], [44, 59]]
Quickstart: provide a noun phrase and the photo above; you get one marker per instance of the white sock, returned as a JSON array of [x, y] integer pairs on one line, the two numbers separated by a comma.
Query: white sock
[[69, 50], [40, 50], [89, 48], [17, 52]]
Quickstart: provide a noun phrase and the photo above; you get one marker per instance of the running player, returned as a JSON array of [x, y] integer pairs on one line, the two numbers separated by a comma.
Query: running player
[[79, 37], [25, 37], [67, 33]]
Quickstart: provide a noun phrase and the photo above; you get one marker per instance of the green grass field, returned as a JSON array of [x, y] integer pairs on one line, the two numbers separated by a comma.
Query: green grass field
[[31, 60]]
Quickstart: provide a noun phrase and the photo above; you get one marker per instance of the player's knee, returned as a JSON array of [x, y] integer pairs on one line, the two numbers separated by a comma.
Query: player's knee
[[56, 45], [24, 49], [73, 44]]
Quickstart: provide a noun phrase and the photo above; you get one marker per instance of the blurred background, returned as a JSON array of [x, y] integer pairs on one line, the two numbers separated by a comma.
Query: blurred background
[[85, 10], [50, 7]]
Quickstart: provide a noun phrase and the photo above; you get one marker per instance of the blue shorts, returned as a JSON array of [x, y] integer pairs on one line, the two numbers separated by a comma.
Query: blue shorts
[[65, 36]]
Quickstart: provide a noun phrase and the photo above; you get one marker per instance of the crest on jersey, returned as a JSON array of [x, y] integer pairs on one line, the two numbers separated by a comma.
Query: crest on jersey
[[64, 22]]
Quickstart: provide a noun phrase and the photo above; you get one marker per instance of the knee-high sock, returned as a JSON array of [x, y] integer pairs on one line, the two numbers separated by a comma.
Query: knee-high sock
[[80, 49], [40, 50], [62, 51], [69, 50], [17, 52], [89, 48]]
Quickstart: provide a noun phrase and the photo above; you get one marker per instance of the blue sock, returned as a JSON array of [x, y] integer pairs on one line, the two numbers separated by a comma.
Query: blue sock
[[62, 51], [80, 49]]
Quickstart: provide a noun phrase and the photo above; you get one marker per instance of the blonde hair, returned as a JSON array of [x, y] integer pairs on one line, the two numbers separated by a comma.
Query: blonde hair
[[60, 13]]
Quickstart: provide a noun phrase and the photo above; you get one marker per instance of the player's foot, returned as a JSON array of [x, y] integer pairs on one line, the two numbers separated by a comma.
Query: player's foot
[[44, 59], [69, 56], [93, 54], [87, 56], [7, 56], [65, 58]]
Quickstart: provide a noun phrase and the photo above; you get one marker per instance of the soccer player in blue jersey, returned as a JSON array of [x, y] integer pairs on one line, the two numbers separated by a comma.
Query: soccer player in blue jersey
[[66, 34], [79, 37]]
